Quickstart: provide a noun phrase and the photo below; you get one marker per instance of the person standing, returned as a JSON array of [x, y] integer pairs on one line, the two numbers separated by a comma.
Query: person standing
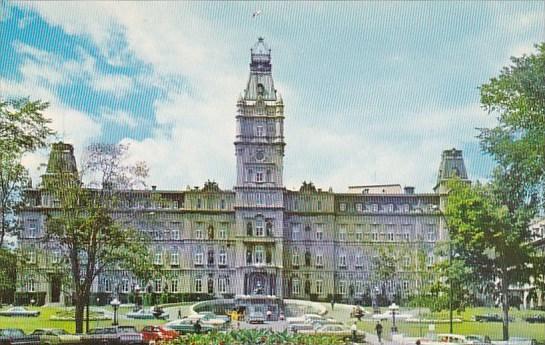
[[332, 303], [378, 329], [197, 326], [354, 330], [180, 313]]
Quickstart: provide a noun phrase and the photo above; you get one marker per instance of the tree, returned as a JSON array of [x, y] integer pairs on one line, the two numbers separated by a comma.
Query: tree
[[23, 129], [491, 234], [517, 143], [84, 224], [385, 267]]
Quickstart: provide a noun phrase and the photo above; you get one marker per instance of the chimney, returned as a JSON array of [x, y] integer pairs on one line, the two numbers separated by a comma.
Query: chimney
[[409, 190], [154, 188]]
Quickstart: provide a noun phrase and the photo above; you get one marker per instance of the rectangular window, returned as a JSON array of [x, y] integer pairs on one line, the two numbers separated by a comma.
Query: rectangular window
[[390, 236], [296, 288], [198, 285], [174, 258], [222, 204], [56, 257], [175, 235], [222, 232], [259, 253], [107, 285], [319, 232], [31, 285], [359, 207], [199, 203], [158, 286], [359, 261], [259, 131], [199, 258], [125, 286], [405, 285], [222, 285], [295, 231], [222, 259], [174, 286], [260, 199], [259, 228], [319, 287], [295, 259], [158, 259], [430, 260], [259, 176], [389, 208], [319, 205], [431, 233], [342, 233], [342, 261], [359, 232], [374, 208], [319, 260], [342, 287], [405, 208], [199, 232], [342, 207]]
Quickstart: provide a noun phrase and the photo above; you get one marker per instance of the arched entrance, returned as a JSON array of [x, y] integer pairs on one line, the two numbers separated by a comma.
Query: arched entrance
[[259, 283]]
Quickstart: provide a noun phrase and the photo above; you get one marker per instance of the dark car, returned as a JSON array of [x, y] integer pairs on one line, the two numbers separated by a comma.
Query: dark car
[[122, 335], [535, 319], [492, 318], [15, 336]]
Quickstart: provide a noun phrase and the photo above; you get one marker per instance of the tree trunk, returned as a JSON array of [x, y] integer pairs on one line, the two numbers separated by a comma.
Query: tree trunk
[[80, 306], [505, 307], [87, 317]]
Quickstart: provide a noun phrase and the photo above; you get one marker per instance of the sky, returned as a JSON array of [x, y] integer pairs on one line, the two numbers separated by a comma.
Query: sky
[[373, 91]]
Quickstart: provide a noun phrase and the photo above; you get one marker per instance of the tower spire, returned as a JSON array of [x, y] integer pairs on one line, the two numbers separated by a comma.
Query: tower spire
[[260, 83]]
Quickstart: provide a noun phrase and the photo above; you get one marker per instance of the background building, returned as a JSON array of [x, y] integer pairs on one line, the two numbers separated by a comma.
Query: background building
[[209, 242]]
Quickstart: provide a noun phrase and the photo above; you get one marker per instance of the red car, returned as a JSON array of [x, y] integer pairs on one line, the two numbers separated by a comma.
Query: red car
[[157, 334]]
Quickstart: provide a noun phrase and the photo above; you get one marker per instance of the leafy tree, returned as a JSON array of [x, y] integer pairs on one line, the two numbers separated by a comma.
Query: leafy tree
[[491, 235], [8, 276], [385, 267], [84, 225], [517, 143], [23, 128]]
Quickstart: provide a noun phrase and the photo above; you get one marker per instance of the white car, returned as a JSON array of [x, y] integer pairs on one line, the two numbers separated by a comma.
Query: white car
[[306, 318]]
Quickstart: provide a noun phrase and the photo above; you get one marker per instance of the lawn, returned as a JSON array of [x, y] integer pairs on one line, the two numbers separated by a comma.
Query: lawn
[[518, 328], [28, 324]]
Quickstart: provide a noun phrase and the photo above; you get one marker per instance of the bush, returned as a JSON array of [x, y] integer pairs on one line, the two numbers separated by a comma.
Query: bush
[[24, 298]]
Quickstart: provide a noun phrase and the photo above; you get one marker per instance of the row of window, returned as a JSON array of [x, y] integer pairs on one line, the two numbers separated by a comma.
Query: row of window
[[343, 287], [392, 233], [361, 262], [198, 258], [386, 208], [160, 285]]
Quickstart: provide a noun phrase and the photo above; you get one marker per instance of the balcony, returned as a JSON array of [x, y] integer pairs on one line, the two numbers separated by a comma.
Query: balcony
[[258, 239]]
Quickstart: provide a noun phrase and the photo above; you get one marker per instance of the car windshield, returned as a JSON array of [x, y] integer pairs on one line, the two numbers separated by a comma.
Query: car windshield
[[18, 309], [127, 329], [11, 333], [58, 332]]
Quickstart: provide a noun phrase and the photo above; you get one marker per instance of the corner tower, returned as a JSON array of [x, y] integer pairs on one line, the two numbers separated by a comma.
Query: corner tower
[[259, 150]]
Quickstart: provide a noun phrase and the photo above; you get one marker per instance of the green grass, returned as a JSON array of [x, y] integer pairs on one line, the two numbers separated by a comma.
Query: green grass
[[518, 328], [28, 324]]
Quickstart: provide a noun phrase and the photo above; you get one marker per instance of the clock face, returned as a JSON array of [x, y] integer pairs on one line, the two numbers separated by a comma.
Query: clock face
[[259, 155]]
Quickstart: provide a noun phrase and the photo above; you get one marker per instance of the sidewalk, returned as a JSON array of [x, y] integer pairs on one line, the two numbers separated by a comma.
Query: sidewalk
[[371, 338]]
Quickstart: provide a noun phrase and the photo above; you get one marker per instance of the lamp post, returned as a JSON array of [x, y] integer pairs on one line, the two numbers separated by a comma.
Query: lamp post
[[393, 308], [115, 304], [32, 301]]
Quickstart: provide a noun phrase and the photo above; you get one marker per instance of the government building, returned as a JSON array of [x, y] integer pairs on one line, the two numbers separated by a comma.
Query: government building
[[210, 242]]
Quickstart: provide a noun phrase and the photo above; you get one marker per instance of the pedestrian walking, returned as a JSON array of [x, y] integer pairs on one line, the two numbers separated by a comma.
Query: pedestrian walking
[[180, 313], [378, 328], [354, 330], [332, 303]]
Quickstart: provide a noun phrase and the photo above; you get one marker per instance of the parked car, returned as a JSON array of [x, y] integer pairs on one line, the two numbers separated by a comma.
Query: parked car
[[338, 331], [187, 325], [535, 319], [15, 336], [474, 339], [125, 335], [256, 317], [157, 334], [19, 311], [146, 315], [491, 318], [296, 327], [304, 318], [388, 315], [207, 315], [51, 336]]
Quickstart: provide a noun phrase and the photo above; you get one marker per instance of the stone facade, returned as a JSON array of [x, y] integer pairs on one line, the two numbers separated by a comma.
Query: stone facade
[[307, 244]]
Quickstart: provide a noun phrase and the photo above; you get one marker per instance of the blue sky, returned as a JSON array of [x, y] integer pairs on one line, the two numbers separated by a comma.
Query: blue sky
[[374, 91]]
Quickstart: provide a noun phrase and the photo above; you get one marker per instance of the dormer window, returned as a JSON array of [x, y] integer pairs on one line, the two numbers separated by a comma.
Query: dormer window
[[260, 90]]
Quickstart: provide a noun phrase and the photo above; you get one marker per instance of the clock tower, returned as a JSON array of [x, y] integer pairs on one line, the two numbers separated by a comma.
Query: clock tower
[[259, 149]]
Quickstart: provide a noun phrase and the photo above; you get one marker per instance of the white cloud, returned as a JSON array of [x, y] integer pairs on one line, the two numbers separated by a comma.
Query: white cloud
[[195, 122], [119, 117]]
